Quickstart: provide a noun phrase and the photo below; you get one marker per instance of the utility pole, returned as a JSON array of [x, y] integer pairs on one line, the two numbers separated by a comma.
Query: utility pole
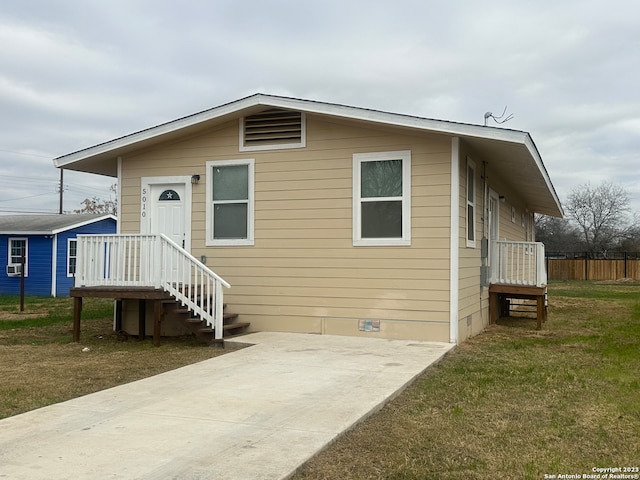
[[61, 189], [23, 261]]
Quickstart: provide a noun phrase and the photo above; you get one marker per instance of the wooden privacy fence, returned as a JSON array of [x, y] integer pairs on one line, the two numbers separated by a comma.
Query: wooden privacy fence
[[592, 269]]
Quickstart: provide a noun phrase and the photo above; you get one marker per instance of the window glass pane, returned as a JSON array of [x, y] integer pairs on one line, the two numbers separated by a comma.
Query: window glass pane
[[169, 195], [231, 182], [17, 247], [382, 219], [470, 230], [470, 184], [73, 252], [381, 179], [230, 221]]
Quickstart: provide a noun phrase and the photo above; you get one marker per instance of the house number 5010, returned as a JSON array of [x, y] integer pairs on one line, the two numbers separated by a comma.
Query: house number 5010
[[144, 203]]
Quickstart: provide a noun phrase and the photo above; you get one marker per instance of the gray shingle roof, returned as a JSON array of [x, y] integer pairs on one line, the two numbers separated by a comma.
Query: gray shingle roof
[[46, 224]]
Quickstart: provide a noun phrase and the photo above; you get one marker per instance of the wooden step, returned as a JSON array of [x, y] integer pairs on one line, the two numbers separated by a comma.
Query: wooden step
[[235, 326], [229, 317], [198, 327]]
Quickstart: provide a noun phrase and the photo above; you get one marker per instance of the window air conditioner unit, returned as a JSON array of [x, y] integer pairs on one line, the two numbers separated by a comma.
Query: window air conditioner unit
[[14, 269]]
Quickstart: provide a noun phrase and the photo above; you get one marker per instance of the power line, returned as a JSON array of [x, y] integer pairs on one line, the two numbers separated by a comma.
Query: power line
[[26, 210], [24, 198]]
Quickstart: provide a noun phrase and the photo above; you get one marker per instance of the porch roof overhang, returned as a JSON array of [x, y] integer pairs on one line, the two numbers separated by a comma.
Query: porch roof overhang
[[512, 153]]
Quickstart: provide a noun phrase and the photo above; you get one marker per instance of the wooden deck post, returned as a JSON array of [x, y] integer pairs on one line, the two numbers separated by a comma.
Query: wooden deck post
[[499, 295], [119, 315], [142, 294], [494, 301], [142, 319], [77, 313], [157, 321], [540, 311]]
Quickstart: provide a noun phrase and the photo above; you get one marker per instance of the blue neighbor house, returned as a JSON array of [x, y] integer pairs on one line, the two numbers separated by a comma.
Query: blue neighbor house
[[49, 244]]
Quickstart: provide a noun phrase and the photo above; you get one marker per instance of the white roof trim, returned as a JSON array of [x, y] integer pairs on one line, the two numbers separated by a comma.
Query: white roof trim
[[82, 224], [356, 113], [454, 129], [55, 231]]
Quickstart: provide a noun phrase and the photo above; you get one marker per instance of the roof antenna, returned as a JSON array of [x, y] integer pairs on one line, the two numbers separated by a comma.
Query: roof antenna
[[498, 120]]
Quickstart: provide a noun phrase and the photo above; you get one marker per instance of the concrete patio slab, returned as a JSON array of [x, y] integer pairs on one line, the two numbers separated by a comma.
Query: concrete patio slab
[[256, 413]]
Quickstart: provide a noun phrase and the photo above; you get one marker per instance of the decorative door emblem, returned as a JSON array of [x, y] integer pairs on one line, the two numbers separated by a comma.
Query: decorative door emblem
[[169, 195]]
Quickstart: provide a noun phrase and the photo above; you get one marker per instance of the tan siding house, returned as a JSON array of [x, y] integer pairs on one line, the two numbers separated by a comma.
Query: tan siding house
[[330, 219]]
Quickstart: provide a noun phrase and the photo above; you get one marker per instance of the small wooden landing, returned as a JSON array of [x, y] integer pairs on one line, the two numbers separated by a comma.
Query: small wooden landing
[[119, 293], [146, 293], [163, 303], [499, 294]]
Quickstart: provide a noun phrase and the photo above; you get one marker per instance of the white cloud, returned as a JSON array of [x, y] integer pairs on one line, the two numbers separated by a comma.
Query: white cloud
[[79, 73]]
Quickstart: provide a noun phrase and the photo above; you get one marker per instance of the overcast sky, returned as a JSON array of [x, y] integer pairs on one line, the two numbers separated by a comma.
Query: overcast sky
[[76, 73]]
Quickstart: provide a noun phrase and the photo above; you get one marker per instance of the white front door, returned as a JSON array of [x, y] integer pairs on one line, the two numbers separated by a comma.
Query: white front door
[[166, 208], [168, 212]]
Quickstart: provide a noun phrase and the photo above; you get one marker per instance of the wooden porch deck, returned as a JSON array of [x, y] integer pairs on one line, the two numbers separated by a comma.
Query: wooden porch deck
[[499, 294], [162, 302], [142, 294]]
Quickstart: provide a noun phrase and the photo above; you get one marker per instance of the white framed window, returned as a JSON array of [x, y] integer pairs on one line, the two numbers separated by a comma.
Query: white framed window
[[273, 129], [230, 203], [72, 256], [17, 246], [382, 198], [471, 203]]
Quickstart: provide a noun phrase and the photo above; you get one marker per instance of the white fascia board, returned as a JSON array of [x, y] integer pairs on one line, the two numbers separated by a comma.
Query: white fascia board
[[13, 233], [396, 119], [535, 154], [82, 224], [309, 106], [157, 131]]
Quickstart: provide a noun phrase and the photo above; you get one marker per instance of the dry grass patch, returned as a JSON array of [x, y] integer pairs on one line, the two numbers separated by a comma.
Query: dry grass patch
[[513, 403], [40, 365]]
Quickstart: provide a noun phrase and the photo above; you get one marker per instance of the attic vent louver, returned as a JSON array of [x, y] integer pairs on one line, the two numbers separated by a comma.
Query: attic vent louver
[[273, 129]]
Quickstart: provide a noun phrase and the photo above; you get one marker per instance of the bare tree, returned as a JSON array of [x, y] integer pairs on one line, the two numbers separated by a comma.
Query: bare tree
[[601, 214], [557, 234], [631, 240], [99, 205]]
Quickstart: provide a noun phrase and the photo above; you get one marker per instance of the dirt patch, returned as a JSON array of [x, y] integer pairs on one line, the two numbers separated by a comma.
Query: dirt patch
[[101, 360], [619, 280], [21, 315]]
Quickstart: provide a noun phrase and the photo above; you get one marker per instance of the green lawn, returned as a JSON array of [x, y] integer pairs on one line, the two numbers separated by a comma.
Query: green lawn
[[513, 402], [40, 365]]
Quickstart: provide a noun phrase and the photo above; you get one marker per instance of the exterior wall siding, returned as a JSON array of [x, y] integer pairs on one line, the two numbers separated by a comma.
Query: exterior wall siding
[[303, 273], [473, 311], [471, 315], [38, 280]]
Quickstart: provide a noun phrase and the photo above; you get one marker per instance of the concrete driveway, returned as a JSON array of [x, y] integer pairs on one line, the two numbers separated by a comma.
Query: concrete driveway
[[257, 413]]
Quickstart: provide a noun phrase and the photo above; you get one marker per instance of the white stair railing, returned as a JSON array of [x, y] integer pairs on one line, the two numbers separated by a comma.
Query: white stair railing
[[518, 263], [151, 261]]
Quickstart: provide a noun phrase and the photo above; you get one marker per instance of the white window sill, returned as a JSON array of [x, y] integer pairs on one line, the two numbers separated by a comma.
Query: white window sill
[[229, 243], [382, 242]]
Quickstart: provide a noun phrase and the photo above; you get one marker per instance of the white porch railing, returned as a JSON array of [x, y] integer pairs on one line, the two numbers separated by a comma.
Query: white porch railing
[[151, 261], [517, 263]]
